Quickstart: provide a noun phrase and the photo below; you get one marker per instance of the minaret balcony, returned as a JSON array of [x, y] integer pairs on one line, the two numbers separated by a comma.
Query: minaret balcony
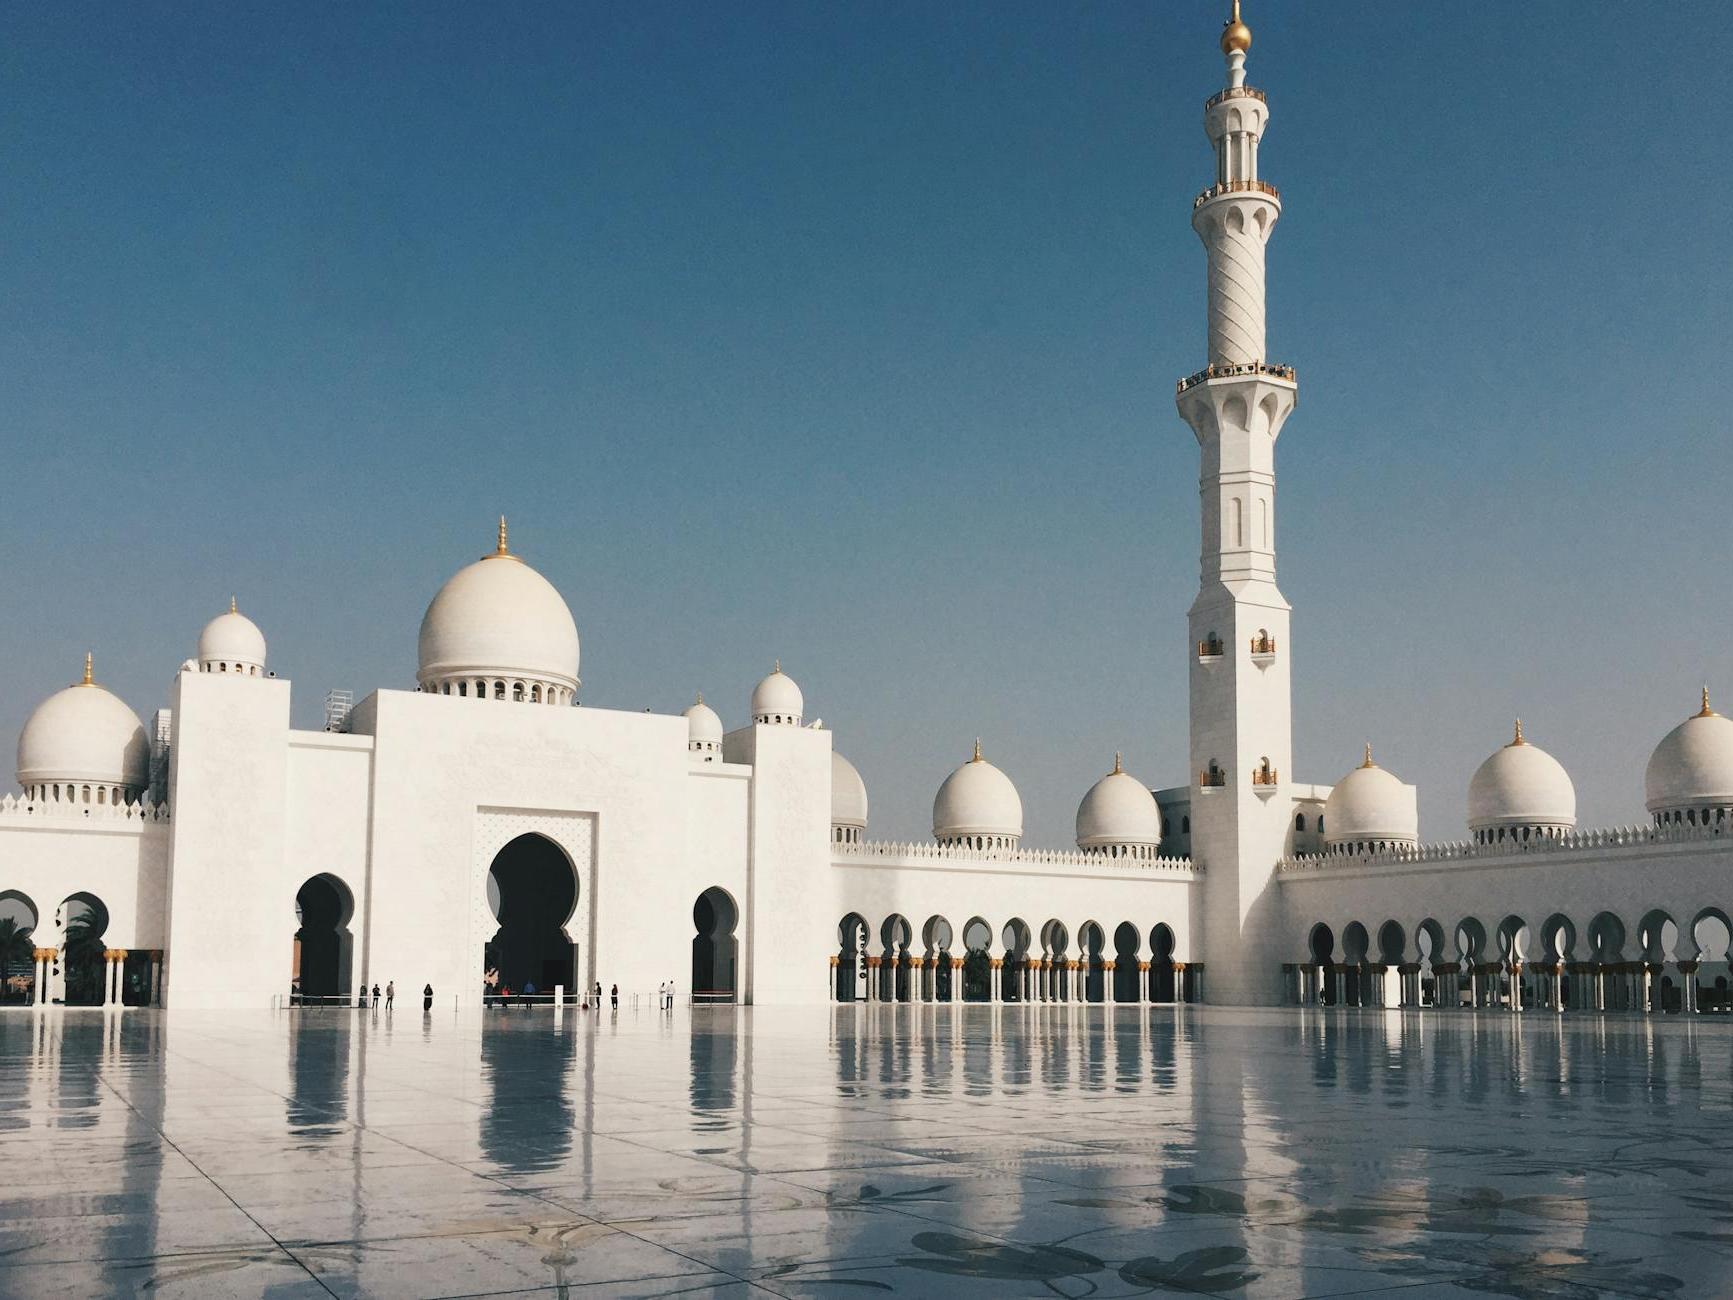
[[1230, 372], [1263, 651], [1210, 651], [1264, 781], [1211, 778], [1235, 92], [1236, 187]]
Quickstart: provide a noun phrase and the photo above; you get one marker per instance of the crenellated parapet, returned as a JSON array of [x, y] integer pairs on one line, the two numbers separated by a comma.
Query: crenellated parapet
[[1566, 843], [926, 851], [15, 809]]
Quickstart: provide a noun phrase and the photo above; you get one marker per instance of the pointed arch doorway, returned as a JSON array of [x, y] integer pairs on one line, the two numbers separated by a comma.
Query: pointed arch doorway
[[532, 890]]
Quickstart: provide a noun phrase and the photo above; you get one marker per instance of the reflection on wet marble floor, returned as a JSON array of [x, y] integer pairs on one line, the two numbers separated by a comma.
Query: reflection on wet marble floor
[[955, 1151]]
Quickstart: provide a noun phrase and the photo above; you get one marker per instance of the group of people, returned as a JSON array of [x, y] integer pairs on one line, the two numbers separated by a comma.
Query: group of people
[[665, 996], [362, 996]]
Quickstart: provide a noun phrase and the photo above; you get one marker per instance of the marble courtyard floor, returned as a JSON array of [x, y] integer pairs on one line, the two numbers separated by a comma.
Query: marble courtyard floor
[[950, 1151]]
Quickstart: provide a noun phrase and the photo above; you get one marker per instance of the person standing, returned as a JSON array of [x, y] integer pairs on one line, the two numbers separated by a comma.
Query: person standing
[[427, 998], [670, 995], [376, 997], [662, 995], [390, 993], [361, 997], [614, 996]]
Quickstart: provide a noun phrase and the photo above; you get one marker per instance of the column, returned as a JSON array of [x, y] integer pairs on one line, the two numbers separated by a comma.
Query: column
[[156, 977], [1688, 988], [43, 957], [835, 963]]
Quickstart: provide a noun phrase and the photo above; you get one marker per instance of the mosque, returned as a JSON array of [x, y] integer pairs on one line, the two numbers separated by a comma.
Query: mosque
[[222, 858]]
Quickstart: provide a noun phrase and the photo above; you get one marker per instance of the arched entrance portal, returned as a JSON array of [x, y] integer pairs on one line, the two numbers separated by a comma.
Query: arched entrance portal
[[533, 890], [714, 946], [320, 969]]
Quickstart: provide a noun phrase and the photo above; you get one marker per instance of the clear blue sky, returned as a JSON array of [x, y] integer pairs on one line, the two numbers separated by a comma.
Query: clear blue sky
[[847, 334]]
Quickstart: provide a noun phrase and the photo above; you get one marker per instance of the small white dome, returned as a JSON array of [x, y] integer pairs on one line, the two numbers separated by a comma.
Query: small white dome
[[1118, 811], [1693, 766], [977, 800], [1521, 785], [848, 795], [86, 735], [1370, 806], [703, 727], [499, 619], [232, 642], [777, 699]]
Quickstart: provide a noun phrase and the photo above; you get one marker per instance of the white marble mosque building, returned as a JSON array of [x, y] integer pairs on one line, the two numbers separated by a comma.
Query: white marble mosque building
[[222, 858]]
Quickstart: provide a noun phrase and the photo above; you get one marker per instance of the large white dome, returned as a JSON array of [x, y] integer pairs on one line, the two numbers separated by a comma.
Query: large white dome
[[978, 801], [1521, 786], [777, 699], [1370, 806], [1118, 812], [232, 643], [703, 728], [84, 735], [848, 795], [1692, 767], [501, 624]]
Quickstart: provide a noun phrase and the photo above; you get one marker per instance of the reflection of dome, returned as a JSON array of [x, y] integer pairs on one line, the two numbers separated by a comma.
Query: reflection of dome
[[703, 729], [978, 806], [1690, 774], [1370, 808], [777, 699], [848, 801], [232, 643], [83, 744], [498, 629], [1119, 816], [1520, 791]]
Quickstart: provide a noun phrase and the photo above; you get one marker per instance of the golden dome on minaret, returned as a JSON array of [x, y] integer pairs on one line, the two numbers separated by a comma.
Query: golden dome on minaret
[[1236, 35]]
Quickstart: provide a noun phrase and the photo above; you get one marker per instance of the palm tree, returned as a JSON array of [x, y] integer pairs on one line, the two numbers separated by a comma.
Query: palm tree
[[16, 950]]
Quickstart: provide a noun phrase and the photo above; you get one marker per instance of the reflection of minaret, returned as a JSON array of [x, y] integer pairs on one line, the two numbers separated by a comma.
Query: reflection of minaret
[[1236, 405]]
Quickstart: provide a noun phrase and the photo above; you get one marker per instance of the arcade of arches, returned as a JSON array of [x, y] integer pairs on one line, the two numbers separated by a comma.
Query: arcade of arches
[[1655, 966], [1018, 964], [81, 969]]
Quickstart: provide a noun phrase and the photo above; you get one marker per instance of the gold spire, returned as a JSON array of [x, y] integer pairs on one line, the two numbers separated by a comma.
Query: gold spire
[[1707, 711], [977, 757], [503, 548], [89, 670], [1118, 763], [700, 697], [232, 607], [1236, 36], [1368, 762], [1519, 740], [776, 668]]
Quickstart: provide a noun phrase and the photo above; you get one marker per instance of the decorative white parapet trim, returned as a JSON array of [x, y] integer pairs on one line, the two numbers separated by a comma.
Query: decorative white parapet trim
[[16, 808], [926, 851], [1568, 843]]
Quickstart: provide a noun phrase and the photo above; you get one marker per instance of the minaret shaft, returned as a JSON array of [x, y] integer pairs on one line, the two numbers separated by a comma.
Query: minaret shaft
[[1241, 741]]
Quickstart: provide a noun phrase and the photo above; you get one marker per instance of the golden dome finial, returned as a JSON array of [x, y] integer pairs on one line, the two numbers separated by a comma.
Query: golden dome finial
[[1236, 36], [1518, 740], [776, 667], [977, 757], [503, 548], [1118, 763], [1707, 711], [700, 697], [1368, 762], [233, 608], [89, 669]]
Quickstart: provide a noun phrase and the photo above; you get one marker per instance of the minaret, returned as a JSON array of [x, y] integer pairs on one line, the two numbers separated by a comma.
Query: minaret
[[1239, 647]]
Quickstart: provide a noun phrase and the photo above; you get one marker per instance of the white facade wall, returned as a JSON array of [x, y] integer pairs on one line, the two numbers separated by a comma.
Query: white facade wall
[[117, 855]]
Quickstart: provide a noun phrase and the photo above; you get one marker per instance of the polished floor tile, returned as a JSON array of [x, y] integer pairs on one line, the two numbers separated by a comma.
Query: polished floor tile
[[954, 1151]]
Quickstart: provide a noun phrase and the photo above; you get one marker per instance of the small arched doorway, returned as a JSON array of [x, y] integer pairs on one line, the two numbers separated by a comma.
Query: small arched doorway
[[714, 947], [1163, 985], [1093, 942], [1126, 976], [18, 920], [83, 956], [532, 888], [319, 971], [977, 961]]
